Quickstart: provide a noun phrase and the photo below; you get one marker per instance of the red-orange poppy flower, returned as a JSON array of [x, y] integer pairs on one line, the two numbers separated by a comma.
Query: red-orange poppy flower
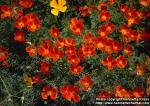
[[45, 68], [19, 36], [76, 26], [45, 48], [109, 27], [138, 92], [70, 92], [5, 11], [104, 16], [21, 22], [76, 69], [69, 42], [60, 42], [73, 59], [109, 62], [121, 61], [56, 54], [121, 92], [108, 46], [70, 51], [123, 8], [3, 54], [117, 46], [112, 1], [48, 92], [53, 93], [88, 38], [34, 26], [144, 2], [102, 31], [124, 30], [86, 82], [54, 32], [26, 3], [100, 43], [133, 35], [132, 20], [88, 50], [103, 94], [102, 6], [36, 79], [128, 50], [31, 50]]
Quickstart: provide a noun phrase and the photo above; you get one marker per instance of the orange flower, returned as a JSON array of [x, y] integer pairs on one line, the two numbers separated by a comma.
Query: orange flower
[[102, 31], [145, 3], [112, 1], [109, 27], [103, 94], [26, 3], [109, 62], [123, 8], [45, 68], [88, 38], [34, 26], [47, 91], [105, 30], [60, 42], [45, 48], [86, 82], [73, 59], [70, 92], [104, 16], [124, 30], [141, 69], [5, 11], [21, 22], [128, 50], [33, 22], [138, 92], [37, 79], [108, 46], [121, 61], [69, 42], [76, 26], [100, 43], [117, 46], [76, 70], [54, 32], [56, 54], [70, 51], [19, 36], [102, 6], [121, 92], [31, 50], [3, 54], [88, 50], [53, 93], [133, 35]]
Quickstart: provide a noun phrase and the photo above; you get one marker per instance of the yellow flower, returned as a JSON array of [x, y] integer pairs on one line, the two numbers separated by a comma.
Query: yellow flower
[[58, 6], [28, 80]]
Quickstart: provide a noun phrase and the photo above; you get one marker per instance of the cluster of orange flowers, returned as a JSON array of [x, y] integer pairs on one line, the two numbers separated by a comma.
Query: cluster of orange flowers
[[121, 92], [66, 46]]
